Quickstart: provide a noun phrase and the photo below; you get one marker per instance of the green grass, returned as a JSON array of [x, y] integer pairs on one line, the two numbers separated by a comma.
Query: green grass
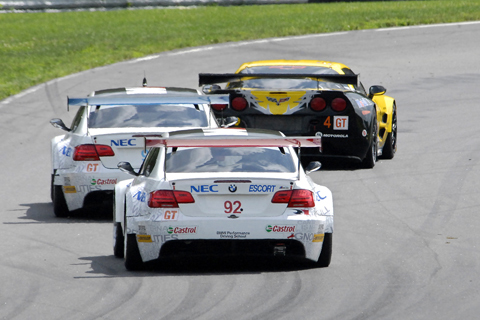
[[37, 47]]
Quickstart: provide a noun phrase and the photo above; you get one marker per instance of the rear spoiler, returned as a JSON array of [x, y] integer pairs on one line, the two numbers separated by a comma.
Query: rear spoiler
[[147, 99], [233, 141], [214, 78], [238, 141]]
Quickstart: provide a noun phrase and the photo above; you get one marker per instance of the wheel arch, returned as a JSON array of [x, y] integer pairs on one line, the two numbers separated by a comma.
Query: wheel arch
[[119, 194]]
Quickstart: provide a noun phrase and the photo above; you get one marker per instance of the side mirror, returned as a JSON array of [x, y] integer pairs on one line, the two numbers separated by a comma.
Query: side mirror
[[229, 121], [376, 91], [127, 168], [313, 166], [211, 88], [58, 123]]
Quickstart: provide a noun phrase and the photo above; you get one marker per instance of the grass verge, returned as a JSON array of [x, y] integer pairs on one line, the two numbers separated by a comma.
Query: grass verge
[[37, 47]]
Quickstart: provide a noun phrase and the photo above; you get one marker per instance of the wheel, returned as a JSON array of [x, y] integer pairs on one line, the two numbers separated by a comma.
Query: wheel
[[118, 240], [51, 186], [371, 157], [391, 142], [60, 207], [326, 254], [133, 260]]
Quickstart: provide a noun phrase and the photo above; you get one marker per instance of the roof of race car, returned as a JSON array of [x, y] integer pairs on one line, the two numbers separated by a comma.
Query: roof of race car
[[338, 67], [231, 137]]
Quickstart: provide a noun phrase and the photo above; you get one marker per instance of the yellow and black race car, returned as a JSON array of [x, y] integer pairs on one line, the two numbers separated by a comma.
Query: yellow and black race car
[[311, 98]]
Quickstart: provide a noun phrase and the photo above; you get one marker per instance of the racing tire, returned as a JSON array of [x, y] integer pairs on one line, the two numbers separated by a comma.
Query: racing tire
[[118, 241], [60, 207], [51, 187], [391, 142], [326, 254], [371, 157], [133, 259]]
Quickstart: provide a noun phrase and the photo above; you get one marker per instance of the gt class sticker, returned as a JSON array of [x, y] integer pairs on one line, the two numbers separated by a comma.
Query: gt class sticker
[[340, 123]]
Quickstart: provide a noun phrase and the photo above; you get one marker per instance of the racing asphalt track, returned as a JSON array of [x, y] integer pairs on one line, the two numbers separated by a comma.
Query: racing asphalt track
[[406, 241]]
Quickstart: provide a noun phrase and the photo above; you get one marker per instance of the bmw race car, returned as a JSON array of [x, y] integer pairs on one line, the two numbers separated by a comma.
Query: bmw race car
[[223, 191], [311, 98], [103, 133]]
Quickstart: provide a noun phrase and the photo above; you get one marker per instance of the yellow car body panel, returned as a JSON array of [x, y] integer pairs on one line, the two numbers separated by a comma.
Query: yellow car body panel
[[385, 106], [278, 102]]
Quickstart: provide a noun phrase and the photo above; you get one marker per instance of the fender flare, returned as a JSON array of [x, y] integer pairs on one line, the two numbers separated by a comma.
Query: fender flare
[[386, 103], [119, 193], [54, 152]]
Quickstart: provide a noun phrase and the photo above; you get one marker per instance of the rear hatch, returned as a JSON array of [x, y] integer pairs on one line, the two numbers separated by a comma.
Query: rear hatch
[[222, 197]]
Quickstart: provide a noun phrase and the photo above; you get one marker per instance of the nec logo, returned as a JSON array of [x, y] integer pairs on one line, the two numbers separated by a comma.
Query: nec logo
[[123, 143], [204, 188]]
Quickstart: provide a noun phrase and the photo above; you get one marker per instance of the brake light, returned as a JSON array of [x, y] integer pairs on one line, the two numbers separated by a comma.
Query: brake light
[[169, 198], [295, 198], [92, 152], [282, 196], [239, 104], [339, 104], [318, 104], [301, 198], [219, 107]]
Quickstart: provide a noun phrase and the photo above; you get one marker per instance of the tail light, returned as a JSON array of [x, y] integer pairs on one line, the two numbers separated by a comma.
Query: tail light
[[219, 107], [339, 104], [169, 198], [92, 152], [295, 198], [318, 104], [239, 103]]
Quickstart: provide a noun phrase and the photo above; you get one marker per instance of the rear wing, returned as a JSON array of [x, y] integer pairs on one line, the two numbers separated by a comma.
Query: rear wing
[[234, 141], [238, 141], [214, 78]]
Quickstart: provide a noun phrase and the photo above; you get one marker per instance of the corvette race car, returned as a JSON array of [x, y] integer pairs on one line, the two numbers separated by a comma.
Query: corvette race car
[[84, 160], [223, 191], [311, 98]]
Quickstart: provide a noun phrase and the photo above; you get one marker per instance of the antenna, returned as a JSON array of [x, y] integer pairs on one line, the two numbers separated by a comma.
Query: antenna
[[144, 83]]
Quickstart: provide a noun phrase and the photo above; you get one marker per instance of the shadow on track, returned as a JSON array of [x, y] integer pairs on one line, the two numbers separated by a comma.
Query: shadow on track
[[43, 213], [109, 266]]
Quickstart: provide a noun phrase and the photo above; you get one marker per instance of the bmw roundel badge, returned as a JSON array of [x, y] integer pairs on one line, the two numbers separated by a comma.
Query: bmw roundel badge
[[232, 188]]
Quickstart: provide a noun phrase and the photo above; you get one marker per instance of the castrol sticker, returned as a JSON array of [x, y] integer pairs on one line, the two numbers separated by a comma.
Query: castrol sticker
[[277, 228], [182, 230]]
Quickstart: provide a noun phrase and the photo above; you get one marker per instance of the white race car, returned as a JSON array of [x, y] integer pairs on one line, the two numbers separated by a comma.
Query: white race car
[[223, 191], [103, 133]]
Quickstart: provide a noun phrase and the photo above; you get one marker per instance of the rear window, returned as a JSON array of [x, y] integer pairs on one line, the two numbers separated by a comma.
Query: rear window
[[136, 116], [222, 159]]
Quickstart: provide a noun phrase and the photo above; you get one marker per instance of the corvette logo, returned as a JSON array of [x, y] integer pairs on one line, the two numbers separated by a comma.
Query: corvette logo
[[274, 100]]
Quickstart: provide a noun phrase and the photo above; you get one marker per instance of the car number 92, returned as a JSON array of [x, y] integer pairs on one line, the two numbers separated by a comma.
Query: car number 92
[[233, 207]]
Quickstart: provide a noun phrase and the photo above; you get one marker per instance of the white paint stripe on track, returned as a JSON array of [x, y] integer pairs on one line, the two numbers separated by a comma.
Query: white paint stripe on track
[[233, 45]]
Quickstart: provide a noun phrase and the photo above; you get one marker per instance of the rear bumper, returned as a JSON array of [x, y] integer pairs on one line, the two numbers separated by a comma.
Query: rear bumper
[[354, 148], [81, 188], [296, 235]]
